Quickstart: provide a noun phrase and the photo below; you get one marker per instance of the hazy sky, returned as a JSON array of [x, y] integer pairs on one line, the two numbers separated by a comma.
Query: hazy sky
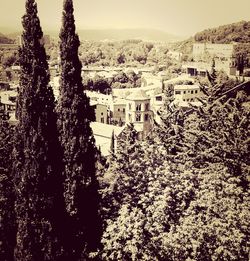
[[180, 17]]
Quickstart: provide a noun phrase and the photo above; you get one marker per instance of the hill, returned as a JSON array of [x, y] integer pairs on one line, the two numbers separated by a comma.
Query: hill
[[225, 34], [4, 39], [236, 32], [125, 34]]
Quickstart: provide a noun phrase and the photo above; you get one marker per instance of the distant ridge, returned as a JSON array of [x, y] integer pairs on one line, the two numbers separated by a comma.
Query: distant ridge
[[5, 40], [125, 34]]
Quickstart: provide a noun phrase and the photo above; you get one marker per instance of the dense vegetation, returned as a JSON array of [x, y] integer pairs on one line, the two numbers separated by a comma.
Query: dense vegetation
[[236, 32], [7, 196], [129, 52], [182, 194]]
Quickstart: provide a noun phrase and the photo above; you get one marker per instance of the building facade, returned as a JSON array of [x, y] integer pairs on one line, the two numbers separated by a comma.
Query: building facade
[[138, 112], [219, 51]]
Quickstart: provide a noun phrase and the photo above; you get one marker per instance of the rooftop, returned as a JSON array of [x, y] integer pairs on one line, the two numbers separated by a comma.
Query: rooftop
[[138, 95], [105, 130], [186, 87]]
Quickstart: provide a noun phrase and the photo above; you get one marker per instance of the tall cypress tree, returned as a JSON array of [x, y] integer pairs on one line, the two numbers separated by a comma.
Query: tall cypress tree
[[36, 148], [78, 144]]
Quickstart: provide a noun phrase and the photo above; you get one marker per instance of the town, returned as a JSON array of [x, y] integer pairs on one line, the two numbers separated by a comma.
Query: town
[[124, 130], [140, 105]]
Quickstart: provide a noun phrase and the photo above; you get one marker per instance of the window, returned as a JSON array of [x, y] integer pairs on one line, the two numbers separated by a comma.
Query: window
[[158, 98], [102, 113], [123, 110], [192, 92], [118, 109], [102, 120], [184, 100], [184, 92], [138, 117], [138, 107], [146, 106], [196, 91], [177, 92], [146, 117]]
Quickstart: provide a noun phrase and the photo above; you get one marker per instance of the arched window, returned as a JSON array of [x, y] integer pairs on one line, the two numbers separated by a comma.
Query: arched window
[[138, 107]]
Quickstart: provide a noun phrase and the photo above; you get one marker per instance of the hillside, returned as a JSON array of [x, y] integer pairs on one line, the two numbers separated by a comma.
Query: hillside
[[4, 39], [236, 32]]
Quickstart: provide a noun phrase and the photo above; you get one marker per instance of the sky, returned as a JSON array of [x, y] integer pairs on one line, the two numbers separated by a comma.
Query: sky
[[179, 17]]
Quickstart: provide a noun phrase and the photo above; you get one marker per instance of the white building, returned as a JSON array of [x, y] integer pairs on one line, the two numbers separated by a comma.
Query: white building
[[222, 51], [185, 94], [138, 112]]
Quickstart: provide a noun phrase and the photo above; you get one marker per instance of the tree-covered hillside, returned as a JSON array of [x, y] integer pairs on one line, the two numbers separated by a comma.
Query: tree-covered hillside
[[236, 32]]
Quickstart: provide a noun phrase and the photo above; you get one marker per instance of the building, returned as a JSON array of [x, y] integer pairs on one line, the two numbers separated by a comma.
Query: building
[[186, 94], [103, 135], [219, 51], [196, 68], [139, 113], [201, 68], [101, 112], [118, 111], [8, 100], [101, 98], [174, 55]]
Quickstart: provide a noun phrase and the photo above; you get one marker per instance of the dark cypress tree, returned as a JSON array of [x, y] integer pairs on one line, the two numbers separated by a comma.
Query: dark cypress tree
[[78, 144], [7, 216], [36, 149], [112, 144]]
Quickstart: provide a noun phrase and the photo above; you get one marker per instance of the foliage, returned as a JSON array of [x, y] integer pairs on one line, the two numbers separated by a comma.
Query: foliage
[[183, 194], [36, 166], [7, 215], [77, 141], [236, 32], [134, 53], [9, 58], [120, 80]]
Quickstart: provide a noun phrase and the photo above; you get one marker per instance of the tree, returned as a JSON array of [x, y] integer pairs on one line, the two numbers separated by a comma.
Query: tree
[[7, 197], [183, 193], [112, 144], [36, 151], [9, 59], [78, 144], [240, 64]]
